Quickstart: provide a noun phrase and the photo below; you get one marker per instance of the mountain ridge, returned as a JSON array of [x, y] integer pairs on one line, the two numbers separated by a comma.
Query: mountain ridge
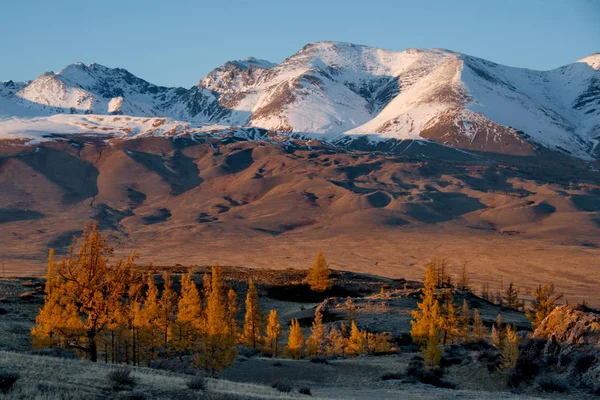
[[341, 90]]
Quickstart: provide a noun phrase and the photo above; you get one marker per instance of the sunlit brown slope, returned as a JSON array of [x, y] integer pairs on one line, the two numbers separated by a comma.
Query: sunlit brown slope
[[262, 204]]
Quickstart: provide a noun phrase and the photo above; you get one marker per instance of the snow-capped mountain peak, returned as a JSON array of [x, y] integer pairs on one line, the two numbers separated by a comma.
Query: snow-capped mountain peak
[[339, 90], [593, 60]]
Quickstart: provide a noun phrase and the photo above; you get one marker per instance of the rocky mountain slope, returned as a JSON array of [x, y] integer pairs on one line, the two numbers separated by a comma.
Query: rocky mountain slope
[[338, 92]]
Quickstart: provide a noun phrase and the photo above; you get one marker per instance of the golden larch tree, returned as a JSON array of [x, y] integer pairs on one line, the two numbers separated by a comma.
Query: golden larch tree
[[84, 294], [189, 312], [448, 325], [336, 343], [542, 305], [251, 334], [432, 353], [273, 333], [318, 275], [218, 346], [357, 342], [295, 340], [510, 351], [495, 337], [149, 318], [232, 312], [315, 344], [167, 309], [428, 313], [479, 331]]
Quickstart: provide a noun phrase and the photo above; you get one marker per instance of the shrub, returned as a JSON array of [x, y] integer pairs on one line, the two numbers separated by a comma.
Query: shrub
[[319, 360], [480, 345], [196, 383], [282, 387], [121, 377], [525, 370], [489, 355], [584, 363], [428, 377], [305, 390], [448, 361], [403, 340], [565, 359], [492, 357], [392, 376], [550, 385], [134, 395], [7, 380], [248, 352]]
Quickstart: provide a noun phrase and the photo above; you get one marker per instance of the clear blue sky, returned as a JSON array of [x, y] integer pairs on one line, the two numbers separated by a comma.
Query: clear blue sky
[[177, 42]]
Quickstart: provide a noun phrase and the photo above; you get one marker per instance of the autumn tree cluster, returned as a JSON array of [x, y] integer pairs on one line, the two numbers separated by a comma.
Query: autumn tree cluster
[[109, 310], [336, 341], [96, 307], [437, 321]]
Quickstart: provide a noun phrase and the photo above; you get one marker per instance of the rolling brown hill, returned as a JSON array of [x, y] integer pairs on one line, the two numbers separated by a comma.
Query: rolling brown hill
[[274, 204]]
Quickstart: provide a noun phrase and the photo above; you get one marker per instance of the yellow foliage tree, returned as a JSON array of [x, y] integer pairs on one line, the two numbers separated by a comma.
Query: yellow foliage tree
[[131, 309], [189, 312], [542, 305], [84, 294], [432, 353], [232, 312], [428, 313], [479, 332], [336, 343], [218, 349], [357, 342], [148, 321], [252, 318], [448, 325], [318, 275], [379, 343], [510, 351], [167, 309], [273, 332], [295, 340], [495, 336], [315, 344]]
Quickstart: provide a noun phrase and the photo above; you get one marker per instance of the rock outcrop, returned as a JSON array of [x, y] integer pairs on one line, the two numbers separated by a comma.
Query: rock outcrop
[[567, 324]]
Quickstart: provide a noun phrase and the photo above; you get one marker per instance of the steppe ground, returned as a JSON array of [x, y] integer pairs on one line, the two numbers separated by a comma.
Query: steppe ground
[[353, 378]]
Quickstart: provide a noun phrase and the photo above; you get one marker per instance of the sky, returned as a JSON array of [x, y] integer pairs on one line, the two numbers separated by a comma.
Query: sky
[[177, 42]]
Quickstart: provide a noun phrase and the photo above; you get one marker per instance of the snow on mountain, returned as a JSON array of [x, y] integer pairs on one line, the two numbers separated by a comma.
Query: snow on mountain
[[42, 129], [340, 89], [96, 89]]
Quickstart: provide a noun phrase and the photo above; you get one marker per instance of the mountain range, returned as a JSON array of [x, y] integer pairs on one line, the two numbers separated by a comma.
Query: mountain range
[[331, 91]]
